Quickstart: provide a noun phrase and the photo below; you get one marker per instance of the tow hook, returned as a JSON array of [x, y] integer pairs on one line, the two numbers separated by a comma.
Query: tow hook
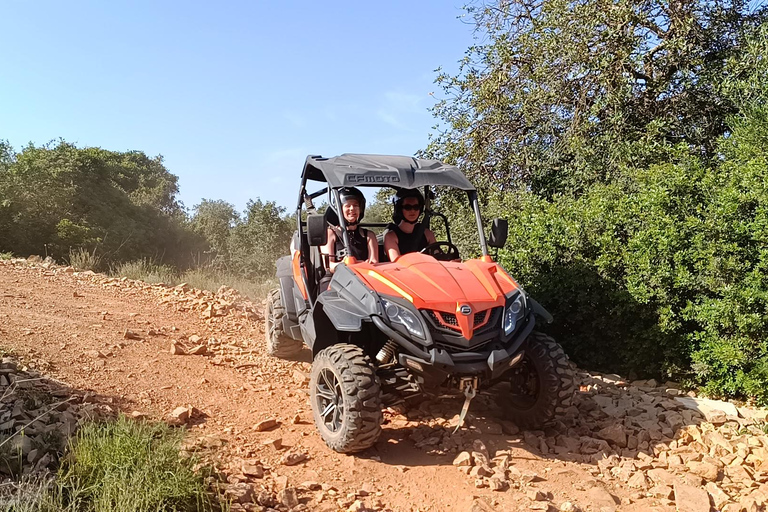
[[469, 385]]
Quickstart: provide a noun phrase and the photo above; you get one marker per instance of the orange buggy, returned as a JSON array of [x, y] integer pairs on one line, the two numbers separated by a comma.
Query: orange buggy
[[384, 333]]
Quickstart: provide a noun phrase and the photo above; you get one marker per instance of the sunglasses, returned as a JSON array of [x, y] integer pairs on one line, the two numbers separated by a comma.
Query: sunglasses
[[411, 207]]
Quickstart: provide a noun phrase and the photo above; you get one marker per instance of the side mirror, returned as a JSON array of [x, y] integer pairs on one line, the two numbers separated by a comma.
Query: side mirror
[[317, 232], [499, 232]]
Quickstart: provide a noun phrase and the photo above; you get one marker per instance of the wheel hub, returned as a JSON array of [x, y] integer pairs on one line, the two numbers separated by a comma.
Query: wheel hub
[[329, 400]]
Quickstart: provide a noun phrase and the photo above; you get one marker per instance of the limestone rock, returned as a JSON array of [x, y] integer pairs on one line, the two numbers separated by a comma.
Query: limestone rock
[[615, 434], [292, 458], [267, 424], [705, 470], [252, 470], [638, 481], [691, 499], [600, 498], [180, 415], [288, 497], [463, 459], [719, 498]]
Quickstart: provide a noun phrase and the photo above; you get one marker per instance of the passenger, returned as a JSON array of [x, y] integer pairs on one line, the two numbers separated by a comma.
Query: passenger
[[362, 242], [407, 234]]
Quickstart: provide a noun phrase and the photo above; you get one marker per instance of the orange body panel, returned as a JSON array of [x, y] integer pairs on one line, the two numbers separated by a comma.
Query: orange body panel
[[442, 286], [296, 265]]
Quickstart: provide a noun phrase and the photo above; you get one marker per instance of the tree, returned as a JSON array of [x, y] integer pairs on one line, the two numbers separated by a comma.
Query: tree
[[259, 240], [561, 94], [214, 220], [57, 197]]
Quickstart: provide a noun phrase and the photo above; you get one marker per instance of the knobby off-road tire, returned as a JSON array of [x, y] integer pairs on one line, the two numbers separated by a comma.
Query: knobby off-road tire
[[278, 343], [542, 385], [346, 398]]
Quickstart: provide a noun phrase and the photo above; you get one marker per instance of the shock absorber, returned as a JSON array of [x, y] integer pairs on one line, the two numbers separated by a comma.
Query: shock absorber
[[387, 352]]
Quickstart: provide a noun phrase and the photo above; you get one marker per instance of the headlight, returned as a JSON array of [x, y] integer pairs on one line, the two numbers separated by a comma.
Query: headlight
[[401, 315], [511, 315]]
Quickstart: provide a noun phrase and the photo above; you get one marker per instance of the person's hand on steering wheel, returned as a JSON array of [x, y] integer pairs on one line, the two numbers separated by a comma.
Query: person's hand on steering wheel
[[436, 251]]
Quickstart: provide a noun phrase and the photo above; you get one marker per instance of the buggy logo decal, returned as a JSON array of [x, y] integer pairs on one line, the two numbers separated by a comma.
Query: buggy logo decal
[[372, 178], [465, 310]]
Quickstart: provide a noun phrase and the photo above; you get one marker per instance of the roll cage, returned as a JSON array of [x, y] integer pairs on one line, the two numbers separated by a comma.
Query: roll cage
[[358, 170]]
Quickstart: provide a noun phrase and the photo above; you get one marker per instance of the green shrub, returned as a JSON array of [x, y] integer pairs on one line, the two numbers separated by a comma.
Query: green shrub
[[662, 274]]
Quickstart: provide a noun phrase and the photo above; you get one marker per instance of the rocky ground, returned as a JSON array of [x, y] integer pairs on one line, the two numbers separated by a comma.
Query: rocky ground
[[87, 345]]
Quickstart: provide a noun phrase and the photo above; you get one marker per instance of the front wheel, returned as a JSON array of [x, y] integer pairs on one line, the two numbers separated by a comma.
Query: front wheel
[[345, 395], [541, 386]]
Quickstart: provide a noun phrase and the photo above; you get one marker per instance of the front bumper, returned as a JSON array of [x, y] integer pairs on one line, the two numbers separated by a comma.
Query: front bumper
[[435, 364]]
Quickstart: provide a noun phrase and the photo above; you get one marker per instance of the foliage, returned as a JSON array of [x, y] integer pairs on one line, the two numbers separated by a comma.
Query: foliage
[[559, 95], [261, 238], [118, 466], [213, 220], [102, 209], [58, 198], [661, 274], [638, 206]]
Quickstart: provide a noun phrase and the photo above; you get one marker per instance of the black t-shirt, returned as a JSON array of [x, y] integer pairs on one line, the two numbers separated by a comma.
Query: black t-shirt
[[410, 242], [358, 243]]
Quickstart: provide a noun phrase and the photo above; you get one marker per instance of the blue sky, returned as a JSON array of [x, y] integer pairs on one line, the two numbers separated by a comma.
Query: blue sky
[[234, 95]]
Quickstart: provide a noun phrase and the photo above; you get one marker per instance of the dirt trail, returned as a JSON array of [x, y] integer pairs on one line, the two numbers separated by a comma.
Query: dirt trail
[[113, 338]]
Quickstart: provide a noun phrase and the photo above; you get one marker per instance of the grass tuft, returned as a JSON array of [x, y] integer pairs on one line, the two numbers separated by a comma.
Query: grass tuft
[[146, 270], [204, 278], [126, 465], [118, 466], [208, 279], [6, 255], [81, 259]]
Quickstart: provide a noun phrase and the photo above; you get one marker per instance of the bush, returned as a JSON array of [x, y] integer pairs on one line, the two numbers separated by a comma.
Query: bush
[[664, 274]]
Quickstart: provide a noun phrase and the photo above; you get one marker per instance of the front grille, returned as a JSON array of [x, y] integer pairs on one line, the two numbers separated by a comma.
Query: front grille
[[447, 323], [443, 320], [449, 318]]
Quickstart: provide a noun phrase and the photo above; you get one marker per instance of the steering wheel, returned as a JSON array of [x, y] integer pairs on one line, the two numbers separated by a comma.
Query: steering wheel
[[435, 250]]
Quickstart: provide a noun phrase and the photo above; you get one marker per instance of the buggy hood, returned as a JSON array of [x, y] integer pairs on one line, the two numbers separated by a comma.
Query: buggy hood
[[442, 286]]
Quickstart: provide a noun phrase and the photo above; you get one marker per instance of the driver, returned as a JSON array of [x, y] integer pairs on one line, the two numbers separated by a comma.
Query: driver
[[362, 242], [407, 234]]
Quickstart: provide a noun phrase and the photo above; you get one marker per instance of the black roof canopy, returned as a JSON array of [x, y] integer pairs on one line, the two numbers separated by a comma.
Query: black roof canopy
[[353, 170]]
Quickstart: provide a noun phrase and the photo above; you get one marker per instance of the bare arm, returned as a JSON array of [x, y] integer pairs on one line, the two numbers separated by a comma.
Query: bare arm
[[373, 248], [430, 236], [327, 249], [391, 246]]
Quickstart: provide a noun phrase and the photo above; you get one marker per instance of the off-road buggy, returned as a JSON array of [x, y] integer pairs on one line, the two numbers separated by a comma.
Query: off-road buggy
[[384, 333]]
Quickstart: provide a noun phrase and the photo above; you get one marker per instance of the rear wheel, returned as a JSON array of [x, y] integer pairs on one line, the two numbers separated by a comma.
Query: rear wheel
[[278, 343], [541, 386], [345, 395]]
